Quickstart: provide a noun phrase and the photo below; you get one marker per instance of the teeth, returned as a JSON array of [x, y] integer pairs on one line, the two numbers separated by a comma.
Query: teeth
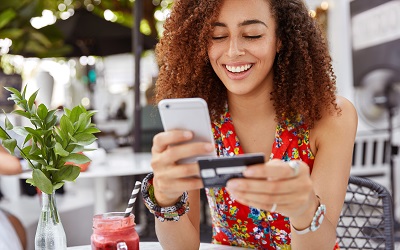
[[238, 69]]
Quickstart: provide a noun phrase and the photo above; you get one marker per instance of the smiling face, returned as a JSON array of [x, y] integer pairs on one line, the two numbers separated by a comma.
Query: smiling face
[[243, 46]]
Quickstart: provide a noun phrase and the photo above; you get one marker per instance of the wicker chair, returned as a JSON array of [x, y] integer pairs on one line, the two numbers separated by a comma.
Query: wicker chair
[[366, 221]]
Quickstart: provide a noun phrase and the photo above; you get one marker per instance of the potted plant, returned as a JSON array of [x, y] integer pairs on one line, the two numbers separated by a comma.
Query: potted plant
[[52, 148]]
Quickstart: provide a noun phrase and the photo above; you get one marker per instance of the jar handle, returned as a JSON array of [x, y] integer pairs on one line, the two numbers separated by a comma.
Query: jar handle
[[122, 246]]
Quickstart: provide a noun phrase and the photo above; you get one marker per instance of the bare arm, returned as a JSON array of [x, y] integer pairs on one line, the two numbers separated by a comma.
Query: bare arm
[[185, 233], [274, 184], [170, 181], [9, 164], [334, 141]]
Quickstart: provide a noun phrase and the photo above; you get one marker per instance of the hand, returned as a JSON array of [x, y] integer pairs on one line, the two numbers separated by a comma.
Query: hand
[[170, 178], [275, 185]]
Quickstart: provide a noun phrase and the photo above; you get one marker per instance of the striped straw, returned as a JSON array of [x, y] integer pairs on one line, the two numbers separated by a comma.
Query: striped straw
[[132, 200]]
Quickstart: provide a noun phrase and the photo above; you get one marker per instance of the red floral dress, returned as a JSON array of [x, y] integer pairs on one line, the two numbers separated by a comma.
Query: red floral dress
[[239, 225]]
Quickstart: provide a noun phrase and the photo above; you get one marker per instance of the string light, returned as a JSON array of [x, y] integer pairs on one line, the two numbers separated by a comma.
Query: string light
[[324, 5]]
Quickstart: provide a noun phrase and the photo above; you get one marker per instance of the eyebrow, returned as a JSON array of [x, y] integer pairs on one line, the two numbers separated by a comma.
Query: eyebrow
[[244, 23]]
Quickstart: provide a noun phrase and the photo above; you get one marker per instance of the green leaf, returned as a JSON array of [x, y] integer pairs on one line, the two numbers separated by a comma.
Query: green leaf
[[67, 172], [34, 132], [52, 123], [74, 114], [34, 156], [13, 33], [31, 181], [3, 134], [36, 121], [77, 158], [91, 112], [83, 122], [32, 99], [14, 98], [51, 168], [50, 116], [89, 149], [6, 16], [27, 138], [24, 91], [8, 124], [14, 91], [42, 111], [60, 151], [66, 126], [76, 148], [84, 139], [42, 182], [10, 144], [67, 112], [20, 131], [33, 149], [58, 185], [92, 130], [63, 137], [41, 38], [22, 113]]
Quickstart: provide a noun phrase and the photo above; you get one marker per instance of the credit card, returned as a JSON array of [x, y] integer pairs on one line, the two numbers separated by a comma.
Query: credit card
[[216, 171]]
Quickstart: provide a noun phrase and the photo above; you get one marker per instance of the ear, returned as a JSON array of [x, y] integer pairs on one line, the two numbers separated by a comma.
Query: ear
[[278, 45]]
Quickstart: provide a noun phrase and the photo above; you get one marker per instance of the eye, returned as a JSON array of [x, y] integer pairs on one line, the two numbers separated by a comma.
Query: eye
[[253, 37], [218, 37]]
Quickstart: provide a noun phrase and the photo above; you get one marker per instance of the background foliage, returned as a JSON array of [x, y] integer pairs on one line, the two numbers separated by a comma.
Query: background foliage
[[15, 23]]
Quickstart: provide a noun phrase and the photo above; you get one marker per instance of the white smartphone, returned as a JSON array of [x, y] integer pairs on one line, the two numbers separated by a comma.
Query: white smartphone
[[188, 114]]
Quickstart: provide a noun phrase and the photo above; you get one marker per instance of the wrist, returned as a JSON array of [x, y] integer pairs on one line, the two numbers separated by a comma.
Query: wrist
[[305, 220], [163, 213], [165, 201]]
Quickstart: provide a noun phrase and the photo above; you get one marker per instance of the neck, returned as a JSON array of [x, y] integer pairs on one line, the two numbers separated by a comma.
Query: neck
[[250, 108]]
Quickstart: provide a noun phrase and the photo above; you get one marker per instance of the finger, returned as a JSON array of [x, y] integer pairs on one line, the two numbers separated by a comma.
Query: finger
[[277, 169], [162, 140], [177, 185], [178, 152], [182, 171], [263, 186], [282, 203], [262, 198]]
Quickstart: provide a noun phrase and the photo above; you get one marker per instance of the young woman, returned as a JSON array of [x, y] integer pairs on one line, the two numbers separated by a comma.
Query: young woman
[[264, 69]]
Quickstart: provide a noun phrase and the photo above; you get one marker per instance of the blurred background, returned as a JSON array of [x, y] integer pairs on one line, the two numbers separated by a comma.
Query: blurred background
[[100, 53]]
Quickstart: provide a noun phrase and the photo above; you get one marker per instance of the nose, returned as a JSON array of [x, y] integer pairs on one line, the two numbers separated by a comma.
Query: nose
[[235, 48]]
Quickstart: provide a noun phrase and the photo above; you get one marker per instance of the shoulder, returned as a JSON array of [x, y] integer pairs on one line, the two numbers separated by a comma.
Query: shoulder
[[346, 113], [343, 123]]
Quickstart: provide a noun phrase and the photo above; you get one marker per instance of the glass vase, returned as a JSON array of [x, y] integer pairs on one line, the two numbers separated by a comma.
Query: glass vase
[[50, 234]]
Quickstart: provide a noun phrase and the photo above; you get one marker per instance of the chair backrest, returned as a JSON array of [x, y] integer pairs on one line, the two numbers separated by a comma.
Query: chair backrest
[[366, 221]]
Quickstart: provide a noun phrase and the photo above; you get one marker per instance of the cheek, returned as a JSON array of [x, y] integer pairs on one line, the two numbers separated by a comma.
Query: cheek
[[264, 53], [213, 56], [213, 53]]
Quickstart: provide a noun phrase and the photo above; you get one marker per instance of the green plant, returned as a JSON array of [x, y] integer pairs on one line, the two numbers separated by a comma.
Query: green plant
[[49, 145]]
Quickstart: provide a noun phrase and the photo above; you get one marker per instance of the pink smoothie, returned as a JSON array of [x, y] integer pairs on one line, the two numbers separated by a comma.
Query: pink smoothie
[[111, 229]]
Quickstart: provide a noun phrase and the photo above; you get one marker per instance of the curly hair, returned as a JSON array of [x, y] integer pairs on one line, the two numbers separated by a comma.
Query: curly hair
[[304, 81]]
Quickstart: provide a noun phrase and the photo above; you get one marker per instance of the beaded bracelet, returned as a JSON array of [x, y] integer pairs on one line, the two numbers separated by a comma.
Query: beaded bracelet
[[172, 213]]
